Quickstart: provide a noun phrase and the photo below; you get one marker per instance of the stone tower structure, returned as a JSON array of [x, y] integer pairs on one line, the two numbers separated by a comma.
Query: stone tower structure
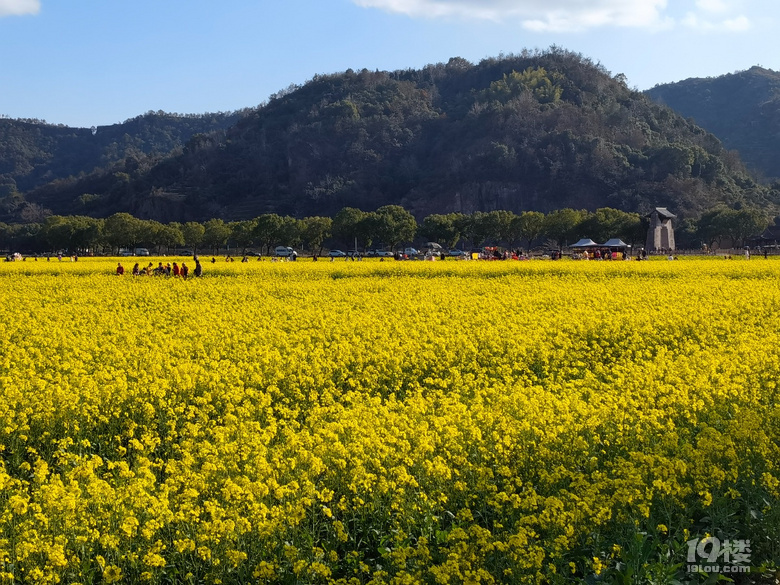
[[660, 234]]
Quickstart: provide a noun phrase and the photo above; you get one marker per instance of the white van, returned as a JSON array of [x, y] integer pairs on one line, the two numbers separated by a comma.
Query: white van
[[283, 251]]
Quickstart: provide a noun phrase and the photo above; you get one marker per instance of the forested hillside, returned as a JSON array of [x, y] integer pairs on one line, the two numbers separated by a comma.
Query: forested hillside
[[535, 131], [742, 109], [33, 153]]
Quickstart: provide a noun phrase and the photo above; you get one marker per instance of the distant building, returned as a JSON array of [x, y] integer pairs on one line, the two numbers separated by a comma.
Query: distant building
[[770, 236], [660, 234]]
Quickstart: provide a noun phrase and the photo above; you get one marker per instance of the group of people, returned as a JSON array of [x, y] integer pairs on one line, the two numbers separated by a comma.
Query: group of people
[[163, 269], [493, 253], [607, 254]]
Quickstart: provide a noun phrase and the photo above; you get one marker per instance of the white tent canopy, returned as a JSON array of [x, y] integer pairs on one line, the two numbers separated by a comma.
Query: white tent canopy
[[584, 243], [615, 243]]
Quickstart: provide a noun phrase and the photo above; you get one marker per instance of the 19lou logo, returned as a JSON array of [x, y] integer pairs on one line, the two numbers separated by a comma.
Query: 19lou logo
[[710, 555]]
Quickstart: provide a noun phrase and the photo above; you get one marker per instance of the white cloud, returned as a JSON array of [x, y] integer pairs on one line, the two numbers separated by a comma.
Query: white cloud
[[714, 6], [539, 15], [739, 23], [573, 15], [19, 7]]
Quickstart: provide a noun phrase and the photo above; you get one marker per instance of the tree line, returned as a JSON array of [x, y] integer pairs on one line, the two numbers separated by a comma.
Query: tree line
[[389, 226]]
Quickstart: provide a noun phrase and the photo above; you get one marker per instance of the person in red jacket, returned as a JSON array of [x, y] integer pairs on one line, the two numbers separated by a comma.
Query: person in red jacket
[[120, 270], [175, 269]]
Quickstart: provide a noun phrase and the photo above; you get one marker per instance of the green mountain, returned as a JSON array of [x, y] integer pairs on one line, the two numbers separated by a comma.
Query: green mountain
[[742, 109], [535, 131], [34, 153]]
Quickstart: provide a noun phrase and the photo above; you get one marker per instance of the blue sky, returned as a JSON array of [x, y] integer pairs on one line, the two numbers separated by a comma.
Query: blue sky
[[98, 62]]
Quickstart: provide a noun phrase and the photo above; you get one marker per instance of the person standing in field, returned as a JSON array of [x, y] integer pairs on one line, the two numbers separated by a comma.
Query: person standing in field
[[120, 270], [175, 270], [198, 268], [184, 271], [136, 269]]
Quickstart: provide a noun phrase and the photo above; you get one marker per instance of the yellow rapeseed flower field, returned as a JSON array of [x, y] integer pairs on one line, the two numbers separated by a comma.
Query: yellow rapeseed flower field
[[386, 422]]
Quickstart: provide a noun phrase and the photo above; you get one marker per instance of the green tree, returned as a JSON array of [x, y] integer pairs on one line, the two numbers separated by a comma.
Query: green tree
[[467, 225], [171, 235], [5, 236], [563, 225], [671, 159], [635, 231], [216, 234], [122, 230], [315, 231], [744, 223], [711, 227], [56, 233], [290, 232], [25, 236], [267, 228], [483, 228], [735, 224], [606, 223], [545, 87], [444, 229], [75, 233], [501, 221], [87, 232], [242, 233], [193, 233], [395, 225], [528, 226], [151, 234], [494, 227], [349, 225]]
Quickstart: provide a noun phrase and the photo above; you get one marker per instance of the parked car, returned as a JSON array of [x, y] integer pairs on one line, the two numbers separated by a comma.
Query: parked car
[[456, 253], [411, 251], [141, 252], [283, 251], [384, 254], [337, 254]]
